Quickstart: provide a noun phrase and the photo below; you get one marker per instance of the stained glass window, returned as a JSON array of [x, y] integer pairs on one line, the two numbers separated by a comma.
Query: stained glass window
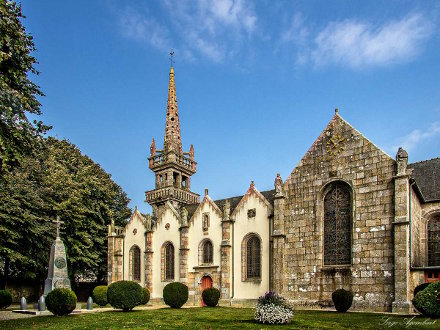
[[207, 253], [337, 225], [135, 260], [169, 261], [434, 241], [253, 253]]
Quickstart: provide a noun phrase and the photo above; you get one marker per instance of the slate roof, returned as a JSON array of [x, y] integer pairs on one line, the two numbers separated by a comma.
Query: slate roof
[[427, 176], [268, 194]]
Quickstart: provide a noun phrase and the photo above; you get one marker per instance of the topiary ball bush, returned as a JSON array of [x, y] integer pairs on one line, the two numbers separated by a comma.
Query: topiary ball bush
[[124, 295], [61, 301], [5, 299], [100, 295], [211, 296], [427, 301], [342, 300], [175, 294], [145, 296]]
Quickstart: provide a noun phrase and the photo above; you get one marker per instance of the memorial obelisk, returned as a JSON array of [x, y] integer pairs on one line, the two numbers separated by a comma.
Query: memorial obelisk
[[57, 276]]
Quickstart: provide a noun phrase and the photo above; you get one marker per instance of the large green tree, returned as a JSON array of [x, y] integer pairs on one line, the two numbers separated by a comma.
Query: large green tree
[[60, 181], [18, 94]]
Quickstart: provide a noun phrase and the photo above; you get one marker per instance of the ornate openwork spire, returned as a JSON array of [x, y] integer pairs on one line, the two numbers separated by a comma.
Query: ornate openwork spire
[[172, 140]]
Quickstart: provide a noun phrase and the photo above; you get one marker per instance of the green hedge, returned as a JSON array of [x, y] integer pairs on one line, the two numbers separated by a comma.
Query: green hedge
[[124, 295], [175, 294], [427, 301], [100, 295], [145, 296], [211, 296], [5, 299], [342, 300], [61, 301]]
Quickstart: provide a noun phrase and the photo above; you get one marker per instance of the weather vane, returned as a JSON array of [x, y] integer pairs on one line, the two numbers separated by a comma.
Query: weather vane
[[172, 57]]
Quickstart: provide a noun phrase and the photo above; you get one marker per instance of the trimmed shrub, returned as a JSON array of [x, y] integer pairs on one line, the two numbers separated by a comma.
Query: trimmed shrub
[[5, 299], [342, 300], [273, 309], [175, 294], [100, 295], [427, 301], [124, 295], [211, 296], [61, 301], [145, 296], [420, 287]]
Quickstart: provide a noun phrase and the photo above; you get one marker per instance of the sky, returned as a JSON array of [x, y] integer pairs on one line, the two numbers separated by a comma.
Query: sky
[[256, 81]]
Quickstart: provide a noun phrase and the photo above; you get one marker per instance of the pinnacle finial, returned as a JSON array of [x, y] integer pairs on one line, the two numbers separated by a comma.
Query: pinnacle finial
[[336, 110]]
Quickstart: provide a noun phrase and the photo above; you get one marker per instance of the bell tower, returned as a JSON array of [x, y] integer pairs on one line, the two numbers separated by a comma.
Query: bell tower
[[172, 167]]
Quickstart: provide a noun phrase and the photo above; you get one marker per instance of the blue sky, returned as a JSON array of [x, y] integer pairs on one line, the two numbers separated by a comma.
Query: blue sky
[[257, 81]]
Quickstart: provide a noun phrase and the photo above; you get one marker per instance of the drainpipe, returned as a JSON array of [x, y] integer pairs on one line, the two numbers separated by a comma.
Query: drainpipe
[[411, 183], [232, 248], [123, 257], [270, 251]]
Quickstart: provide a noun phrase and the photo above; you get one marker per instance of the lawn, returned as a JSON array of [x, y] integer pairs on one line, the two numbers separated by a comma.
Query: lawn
[[216, 318]]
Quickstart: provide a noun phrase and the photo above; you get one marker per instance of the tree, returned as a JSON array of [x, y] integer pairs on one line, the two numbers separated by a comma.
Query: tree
[[63, 182], [18, 94]]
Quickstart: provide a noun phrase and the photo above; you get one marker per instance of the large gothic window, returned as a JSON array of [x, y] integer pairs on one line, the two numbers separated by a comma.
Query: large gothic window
[[169, 261], [135, 263], [253, 257], [434, 241], [337, 225], [207, 252]]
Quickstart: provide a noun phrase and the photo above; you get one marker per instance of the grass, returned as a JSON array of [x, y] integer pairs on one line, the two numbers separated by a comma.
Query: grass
[[216, 318]]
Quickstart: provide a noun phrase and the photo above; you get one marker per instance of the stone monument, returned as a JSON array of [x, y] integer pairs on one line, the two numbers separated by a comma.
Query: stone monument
[[57, 276]]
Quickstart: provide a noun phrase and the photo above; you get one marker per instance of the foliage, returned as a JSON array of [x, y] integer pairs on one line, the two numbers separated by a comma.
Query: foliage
[[427, 301], [59, 181], [175, 294], [5, 299], [273, 309], [61, 301], [18, 94], [219, 318], [342, 300], [145, 296], [211, 296], [100, 295], [124, 295]]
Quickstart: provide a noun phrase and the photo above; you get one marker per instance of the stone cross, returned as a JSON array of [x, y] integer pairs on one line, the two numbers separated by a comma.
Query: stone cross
[[58, 222]]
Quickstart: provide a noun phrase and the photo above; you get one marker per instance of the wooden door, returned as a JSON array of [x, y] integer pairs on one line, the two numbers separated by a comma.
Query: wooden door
[[206, 283]]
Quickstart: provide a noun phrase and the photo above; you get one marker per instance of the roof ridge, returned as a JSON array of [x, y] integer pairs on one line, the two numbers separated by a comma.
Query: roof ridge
[[424, 161]]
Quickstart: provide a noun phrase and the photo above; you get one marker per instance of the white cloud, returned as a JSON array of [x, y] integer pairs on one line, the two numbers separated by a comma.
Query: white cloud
[[144, 28], [358, 44], [411, 141], [211, 29]]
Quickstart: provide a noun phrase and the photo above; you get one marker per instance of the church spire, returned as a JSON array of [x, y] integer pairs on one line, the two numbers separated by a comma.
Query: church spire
[[172, 140]]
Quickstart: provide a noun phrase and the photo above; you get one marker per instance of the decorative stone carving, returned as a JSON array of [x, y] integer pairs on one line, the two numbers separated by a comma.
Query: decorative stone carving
[[184, 216], [402, 161], [226, 210], [278, 184]]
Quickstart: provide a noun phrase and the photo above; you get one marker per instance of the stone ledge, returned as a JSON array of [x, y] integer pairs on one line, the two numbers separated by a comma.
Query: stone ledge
[[205, 267]]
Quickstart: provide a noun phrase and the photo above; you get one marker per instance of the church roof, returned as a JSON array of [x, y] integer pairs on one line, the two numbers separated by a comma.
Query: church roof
[[233, 201], [427, 176]]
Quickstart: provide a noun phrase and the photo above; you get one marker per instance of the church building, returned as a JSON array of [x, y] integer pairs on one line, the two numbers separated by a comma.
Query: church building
[[348, 216]]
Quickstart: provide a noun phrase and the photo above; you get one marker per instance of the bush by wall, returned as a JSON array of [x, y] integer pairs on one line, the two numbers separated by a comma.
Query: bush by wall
[[145, 296], [124, 295], [211, 296], [100, 295], [5, 299], [273, 309], [342, 300], [427, 301], [175, 294], [61, 301]]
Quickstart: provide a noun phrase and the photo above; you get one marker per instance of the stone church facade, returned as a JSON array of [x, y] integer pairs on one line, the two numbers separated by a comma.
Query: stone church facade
[[348, 216]]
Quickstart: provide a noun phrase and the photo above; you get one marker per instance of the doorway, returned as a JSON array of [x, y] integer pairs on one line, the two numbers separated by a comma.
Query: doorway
[[206, 283]]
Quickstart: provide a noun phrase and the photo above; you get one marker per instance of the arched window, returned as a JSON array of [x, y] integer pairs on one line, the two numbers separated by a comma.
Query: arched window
[[207, 252], [252, 257], [337, 225], [434, 241], [169, 261], [135, 263]]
